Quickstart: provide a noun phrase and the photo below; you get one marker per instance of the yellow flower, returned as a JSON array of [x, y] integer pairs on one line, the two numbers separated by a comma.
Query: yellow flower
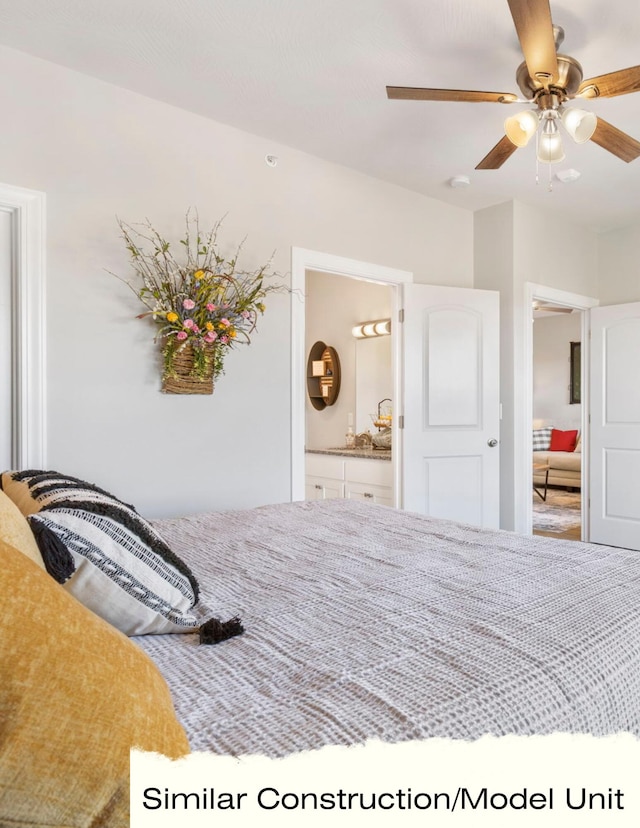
[[172, 316], [209, 326], [231, 332], [199, 274]]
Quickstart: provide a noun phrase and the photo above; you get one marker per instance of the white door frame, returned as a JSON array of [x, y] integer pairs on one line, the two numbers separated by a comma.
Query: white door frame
[[27, 211], [524, 402], [301, 261]]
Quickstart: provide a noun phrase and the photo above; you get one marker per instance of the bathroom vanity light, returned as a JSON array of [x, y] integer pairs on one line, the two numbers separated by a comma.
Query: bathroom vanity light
[[379, 327]]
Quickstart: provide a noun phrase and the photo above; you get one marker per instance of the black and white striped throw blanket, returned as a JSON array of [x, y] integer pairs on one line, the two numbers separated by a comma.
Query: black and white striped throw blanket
[[368, 622]]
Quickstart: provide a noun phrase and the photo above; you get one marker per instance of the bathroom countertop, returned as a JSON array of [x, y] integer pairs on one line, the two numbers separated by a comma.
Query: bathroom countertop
[[366, 453]]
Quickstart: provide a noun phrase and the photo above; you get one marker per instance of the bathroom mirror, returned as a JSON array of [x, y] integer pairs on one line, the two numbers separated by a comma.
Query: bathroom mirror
[[374, 380]]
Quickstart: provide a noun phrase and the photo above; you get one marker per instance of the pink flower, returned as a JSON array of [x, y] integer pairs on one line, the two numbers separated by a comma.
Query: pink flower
[[195, 329], [188, 323], [224, 339], [224, 321], [211, 336], [246, 314], [181, 335], [210, 307], [188, 304]]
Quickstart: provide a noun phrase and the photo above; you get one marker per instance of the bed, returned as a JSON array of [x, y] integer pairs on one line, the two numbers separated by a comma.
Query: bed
[[361, 622], [364, 622]]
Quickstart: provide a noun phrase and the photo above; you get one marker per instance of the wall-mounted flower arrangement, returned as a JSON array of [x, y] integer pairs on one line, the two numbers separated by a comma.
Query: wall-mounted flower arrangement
[[202, 302]]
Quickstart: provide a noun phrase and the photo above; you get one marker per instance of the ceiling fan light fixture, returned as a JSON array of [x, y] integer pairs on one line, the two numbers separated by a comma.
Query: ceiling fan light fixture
[[550, 149], [579, 123], [521, 128]]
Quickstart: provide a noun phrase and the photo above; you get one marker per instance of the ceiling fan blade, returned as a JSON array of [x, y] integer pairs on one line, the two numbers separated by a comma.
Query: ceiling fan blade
[[608, 86], [410, 93], [496, 157], [614, 140], [532, 19]]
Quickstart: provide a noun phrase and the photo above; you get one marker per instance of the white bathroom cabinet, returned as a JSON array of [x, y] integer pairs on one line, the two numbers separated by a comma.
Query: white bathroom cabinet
[[349, 477]]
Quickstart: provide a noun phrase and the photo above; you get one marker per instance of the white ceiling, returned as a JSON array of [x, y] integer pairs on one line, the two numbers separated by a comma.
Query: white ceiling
[[312, 74]]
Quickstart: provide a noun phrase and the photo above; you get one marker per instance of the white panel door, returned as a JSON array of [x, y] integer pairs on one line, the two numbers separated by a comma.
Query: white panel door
[[614, 453], [451, 384]]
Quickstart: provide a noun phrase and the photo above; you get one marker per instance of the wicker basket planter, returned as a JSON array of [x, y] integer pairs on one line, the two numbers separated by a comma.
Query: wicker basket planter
[[182, 375]]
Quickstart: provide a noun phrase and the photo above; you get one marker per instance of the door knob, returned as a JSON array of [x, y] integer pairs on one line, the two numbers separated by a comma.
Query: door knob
[[492, 443]]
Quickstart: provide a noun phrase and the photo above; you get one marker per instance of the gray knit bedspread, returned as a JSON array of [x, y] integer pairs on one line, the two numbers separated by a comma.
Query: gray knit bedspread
[[367, 622]]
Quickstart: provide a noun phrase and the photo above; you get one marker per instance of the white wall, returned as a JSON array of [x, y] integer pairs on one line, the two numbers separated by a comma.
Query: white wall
[[98, 151], [552, 251], [334, 304], [516, 244], [493, 270], [552, 336], [619, 265]]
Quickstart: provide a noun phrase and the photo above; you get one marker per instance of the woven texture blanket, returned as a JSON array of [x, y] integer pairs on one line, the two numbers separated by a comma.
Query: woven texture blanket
[[368, 622]]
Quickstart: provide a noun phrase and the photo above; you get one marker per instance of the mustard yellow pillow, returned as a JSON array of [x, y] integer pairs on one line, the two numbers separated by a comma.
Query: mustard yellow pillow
[[75, 696], [15, 530]]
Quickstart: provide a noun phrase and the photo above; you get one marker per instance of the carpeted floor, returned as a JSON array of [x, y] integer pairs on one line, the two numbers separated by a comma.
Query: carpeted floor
[[559, 513]]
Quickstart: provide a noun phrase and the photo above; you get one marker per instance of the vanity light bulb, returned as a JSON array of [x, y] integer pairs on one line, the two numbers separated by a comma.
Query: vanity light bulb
[[378, 327]]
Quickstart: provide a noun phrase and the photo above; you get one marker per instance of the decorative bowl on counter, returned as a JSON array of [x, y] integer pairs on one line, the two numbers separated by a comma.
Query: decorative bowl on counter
[[382, 440]]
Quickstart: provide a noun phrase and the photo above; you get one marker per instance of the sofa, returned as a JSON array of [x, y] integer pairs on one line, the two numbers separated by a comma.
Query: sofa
[[553, 448]]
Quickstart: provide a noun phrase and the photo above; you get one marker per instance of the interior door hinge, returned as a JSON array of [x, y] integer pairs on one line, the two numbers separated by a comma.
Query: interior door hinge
[[401, 315]]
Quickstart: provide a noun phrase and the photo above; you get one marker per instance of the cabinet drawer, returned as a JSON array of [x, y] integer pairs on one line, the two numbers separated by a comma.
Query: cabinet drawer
[[324, 465], [369, 493], [323, 488], [376, 472]]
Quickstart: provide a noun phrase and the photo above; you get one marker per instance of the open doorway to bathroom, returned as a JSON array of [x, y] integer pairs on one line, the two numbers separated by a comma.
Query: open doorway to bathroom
[[349, 272], [348, 452], [334, 306], [557, 421]]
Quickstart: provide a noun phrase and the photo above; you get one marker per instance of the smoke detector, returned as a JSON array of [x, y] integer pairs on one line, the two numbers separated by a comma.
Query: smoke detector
[[460, 181], [568, 176]]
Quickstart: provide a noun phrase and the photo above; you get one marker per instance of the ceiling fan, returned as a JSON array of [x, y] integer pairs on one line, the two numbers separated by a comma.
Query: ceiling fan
[[548, 80]]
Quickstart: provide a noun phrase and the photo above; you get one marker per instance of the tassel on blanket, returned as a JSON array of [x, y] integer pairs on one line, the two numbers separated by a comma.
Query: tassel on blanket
[[215, 630]]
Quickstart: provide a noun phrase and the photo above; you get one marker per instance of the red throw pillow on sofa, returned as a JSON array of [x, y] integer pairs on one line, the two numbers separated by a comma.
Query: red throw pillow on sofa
[[563, 440]]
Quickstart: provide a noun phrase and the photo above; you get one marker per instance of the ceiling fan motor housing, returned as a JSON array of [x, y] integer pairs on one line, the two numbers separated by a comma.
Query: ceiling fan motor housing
[[568, 83]]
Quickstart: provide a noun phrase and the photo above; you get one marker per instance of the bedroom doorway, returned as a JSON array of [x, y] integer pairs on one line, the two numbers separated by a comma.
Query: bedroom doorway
[[6, 345], [557, 405], [540, 295], [22, 312]]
